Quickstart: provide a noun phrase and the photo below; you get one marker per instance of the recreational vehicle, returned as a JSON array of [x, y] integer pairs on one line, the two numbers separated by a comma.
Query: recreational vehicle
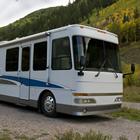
[[74, 70]]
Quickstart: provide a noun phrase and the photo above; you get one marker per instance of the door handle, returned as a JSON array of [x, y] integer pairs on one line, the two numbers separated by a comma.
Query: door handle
[[19, 79]]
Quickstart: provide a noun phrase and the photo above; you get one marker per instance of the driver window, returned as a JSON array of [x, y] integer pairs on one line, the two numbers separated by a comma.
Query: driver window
[[61, 57]]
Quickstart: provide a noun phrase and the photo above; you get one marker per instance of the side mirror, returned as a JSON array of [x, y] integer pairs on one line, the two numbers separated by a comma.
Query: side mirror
[[82, 61], [82, 65], [132, 69]]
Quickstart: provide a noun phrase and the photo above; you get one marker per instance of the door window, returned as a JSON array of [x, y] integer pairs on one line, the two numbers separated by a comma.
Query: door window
[[40, 56], [25, 59]]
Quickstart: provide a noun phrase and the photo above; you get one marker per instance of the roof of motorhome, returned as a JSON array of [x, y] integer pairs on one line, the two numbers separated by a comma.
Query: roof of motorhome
[[45, 33]]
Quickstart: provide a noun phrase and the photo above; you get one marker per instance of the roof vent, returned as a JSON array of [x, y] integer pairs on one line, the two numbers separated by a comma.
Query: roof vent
[[2, 42], [107, 29]]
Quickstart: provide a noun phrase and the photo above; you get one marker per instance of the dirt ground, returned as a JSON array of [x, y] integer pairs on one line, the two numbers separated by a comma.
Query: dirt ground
[[26, 121]]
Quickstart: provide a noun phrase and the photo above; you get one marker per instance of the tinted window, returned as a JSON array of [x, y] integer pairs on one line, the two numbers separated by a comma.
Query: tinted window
[[100, 55], [91, 48], [112, 51], [40, 56], [61, 58], [25, 58], [12, 56]]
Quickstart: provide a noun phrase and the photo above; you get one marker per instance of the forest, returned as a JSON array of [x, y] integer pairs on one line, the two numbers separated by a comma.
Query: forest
[[121, 18], [51, 18]]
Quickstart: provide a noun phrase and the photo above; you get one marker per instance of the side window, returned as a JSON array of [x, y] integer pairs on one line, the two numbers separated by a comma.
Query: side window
[[61, 56], [40, 56], [12, 57]]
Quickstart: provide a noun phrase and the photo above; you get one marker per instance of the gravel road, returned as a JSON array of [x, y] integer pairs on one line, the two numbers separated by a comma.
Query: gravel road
[[25, 120]]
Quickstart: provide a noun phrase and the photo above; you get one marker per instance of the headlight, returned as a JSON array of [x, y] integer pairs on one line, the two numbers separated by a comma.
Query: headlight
[[118, 99], [85, 101]]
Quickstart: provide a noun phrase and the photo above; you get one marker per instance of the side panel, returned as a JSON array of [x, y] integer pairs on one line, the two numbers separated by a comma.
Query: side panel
[[9, 85], [61, 76]]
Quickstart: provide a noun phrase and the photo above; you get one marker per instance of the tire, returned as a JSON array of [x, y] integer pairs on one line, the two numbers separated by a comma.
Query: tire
[[48, 105]]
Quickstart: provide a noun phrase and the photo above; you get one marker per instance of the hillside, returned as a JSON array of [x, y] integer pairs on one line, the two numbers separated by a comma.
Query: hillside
[[30, 18], [41, 20], [108, 12], [41, 12], [122, 18], [23, 26], [130, 53]]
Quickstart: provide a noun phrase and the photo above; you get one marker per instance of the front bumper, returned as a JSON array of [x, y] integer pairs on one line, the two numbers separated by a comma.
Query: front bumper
[[88, 110], [101, 109]]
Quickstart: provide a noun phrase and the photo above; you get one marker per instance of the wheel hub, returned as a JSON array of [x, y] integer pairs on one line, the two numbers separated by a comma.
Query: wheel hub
[[49, 104]]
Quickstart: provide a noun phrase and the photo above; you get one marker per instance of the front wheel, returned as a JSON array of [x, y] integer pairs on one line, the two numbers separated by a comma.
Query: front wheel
[[48, 105]]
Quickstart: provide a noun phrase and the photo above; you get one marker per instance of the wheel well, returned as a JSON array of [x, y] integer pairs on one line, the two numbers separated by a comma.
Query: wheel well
[[40, 97]]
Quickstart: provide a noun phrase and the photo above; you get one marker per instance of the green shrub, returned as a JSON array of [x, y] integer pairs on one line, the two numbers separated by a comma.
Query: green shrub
[[87, 136], [91, 135]]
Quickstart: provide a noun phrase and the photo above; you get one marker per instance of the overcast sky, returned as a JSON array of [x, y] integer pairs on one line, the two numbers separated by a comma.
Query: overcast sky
[[12, 10]]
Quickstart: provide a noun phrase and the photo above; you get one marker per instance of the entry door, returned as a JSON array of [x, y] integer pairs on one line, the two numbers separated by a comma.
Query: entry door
[[25, 73]]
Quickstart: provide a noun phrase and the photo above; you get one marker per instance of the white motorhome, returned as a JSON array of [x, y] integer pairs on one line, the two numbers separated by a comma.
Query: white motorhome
[[73, 70]]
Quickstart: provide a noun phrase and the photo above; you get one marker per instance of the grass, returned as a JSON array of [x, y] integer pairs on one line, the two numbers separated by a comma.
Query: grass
[[131, 94], [68, 135], [22, 137], [91, 135], [5, 130], [128, 113], [7, 135]]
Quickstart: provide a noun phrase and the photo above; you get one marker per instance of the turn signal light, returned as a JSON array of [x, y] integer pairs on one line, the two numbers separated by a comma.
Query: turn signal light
[[81, 27], [80, 94]]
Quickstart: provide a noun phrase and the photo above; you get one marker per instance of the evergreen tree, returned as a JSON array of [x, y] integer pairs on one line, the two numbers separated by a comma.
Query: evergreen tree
[[126, 18], [136, 13]]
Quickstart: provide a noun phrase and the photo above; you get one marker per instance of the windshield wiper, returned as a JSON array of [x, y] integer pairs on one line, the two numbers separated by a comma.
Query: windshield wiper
[[113, 69], [102, 67]]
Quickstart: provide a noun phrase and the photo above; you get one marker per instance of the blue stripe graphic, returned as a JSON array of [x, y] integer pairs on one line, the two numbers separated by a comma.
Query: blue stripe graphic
[[30, 82]]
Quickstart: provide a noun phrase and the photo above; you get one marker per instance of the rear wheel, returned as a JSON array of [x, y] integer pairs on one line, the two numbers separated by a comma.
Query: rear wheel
[[48, 105]]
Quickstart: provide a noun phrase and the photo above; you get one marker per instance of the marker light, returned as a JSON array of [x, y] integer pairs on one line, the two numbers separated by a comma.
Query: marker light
[[81, 27], [80, 94], [101, 32]]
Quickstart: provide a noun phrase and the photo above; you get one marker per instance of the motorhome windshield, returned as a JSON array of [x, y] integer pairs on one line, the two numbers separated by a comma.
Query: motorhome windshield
[[96, 52]]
